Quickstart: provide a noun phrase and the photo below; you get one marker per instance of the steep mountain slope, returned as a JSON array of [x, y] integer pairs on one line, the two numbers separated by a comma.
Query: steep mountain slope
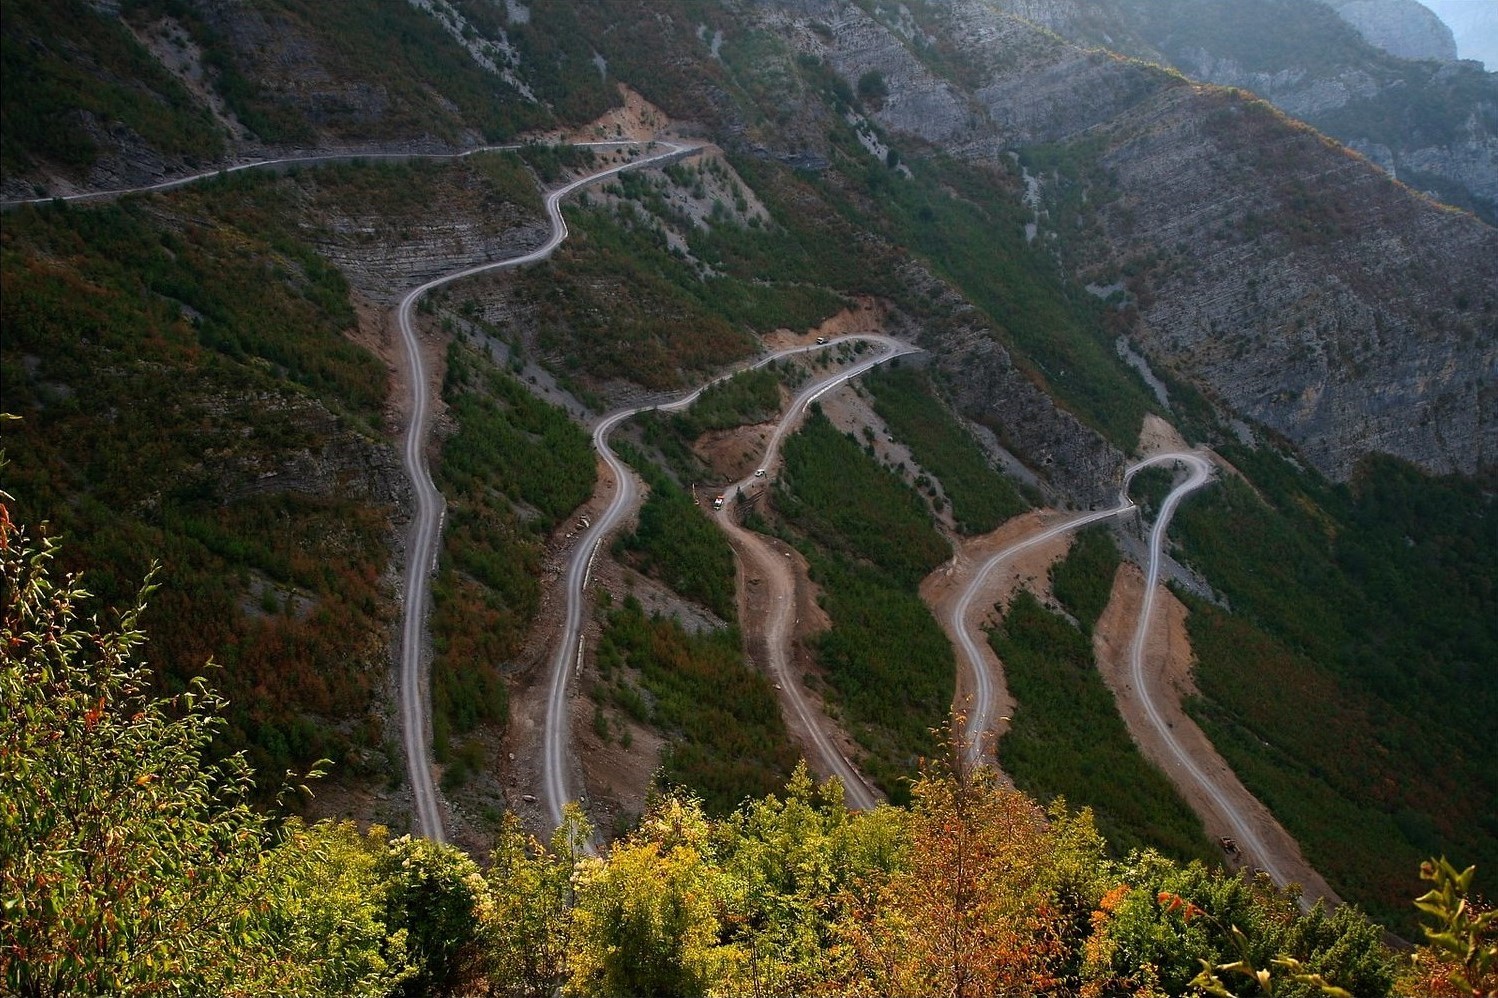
[[1019, 205], [1255, 254], [1399, 27], [1475, 26], [1432, 124]]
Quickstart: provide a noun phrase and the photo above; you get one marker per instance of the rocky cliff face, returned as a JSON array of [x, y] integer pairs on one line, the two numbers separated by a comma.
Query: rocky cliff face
[[1475, 27], [1349, 67], [988, 388], [1262, 259], [1291, 280], [1278, 295], [1399, 27]]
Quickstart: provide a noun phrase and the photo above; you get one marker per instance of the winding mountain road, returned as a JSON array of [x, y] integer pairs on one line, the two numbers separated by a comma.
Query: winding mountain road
[[980, 721], [781, 590], [287, 162], [1244, 831], [426, 524], [556, 733], [426, 529], [980, 718]]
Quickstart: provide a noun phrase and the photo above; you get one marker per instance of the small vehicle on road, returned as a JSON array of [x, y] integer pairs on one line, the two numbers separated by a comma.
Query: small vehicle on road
[[718, 502], [760, 473]]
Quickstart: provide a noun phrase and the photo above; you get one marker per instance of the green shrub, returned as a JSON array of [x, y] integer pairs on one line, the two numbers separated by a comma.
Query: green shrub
[[981, 498], [1068, 739]]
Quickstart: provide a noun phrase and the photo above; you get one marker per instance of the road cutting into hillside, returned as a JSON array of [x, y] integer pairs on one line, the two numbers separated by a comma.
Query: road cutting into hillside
[[1213, 790], [1233, 805], [426, 524], [290, 162], [806, 720], [558, 777]]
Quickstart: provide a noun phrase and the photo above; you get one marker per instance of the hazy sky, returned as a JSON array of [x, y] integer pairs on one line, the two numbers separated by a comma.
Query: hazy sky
[[1475, 25]]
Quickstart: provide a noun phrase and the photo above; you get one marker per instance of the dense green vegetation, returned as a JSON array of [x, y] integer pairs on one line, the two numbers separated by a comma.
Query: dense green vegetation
[[676, 543], [1083, 580], [183, 378], [906, 400], [1068, 740], [137, 868], [947, 214], [511, 441], [843, 500], [750, 397], [427, 84], [885, 657], [614, 303], [662, 437], [727, 738], [1375, 610], [611, 303], [515, 468], [189, 389], [1149, 487], [63, 62], [971, 890], [889, 664]]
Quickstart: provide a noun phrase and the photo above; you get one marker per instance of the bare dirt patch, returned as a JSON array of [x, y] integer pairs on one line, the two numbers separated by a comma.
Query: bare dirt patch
[[636, 120], [867, 315], [1168, 664], [1029, 569], [732, 454], [1157, 436]]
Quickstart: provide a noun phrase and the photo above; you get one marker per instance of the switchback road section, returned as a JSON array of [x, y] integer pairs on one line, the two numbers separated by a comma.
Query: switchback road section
[[426, 524], [557, 775]]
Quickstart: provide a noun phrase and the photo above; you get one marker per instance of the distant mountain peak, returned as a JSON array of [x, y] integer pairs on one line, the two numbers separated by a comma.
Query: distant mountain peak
[[1404, 28]]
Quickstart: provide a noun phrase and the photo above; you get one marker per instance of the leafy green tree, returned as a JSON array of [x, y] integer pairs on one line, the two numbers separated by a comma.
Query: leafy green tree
[[327, 925], [649, 918], [872, 88], [1461, 952], [795, 864], [1168, 922], [123, 854], [131, 865], [434, 894], [528, 917]]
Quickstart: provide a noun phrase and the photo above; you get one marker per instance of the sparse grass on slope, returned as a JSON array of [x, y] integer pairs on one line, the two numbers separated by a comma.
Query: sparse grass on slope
[[727, 738], [981, 498], [888, 662], [1068, 740]]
